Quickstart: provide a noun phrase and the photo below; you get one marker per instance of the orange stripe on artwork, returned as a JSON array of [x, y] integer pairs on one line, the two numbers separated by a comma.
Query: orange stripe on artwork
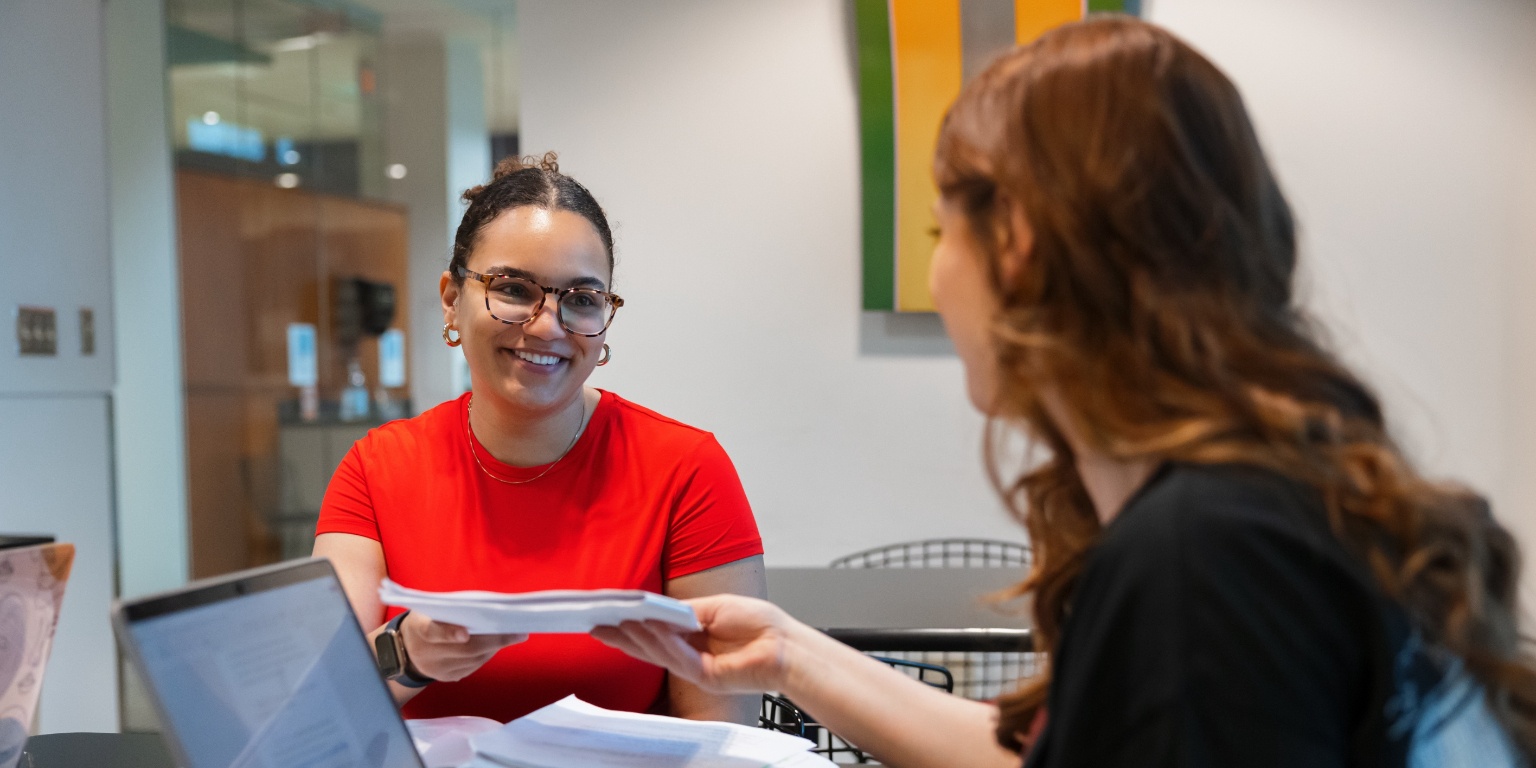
[[925, 43], [1032, 18]]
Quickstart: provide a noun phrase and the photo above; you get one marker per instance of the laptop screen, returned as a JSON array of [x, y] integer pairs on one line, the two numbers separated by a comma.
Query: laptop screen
[[267, 673]]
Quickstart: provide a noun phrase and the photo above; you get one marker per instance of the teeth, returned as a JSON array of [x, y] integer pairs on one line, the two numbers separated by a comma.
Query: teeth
[[536, 359]]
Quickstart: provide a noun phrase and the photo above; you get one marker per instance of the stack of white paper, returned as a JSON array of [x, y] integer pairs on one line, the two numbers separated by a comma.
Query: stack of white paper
[[559, 610], [571, 732], [443, 742]]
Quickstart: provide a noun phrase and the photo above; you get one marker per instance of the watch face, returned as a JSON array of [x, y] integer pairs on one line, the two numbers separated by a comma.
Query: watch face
[[389, 660]]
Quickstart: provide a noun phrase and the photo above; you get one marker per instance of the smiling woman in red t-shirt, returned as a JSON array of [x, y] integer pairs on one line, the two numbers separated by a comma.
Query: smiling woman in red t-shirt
[[534, 480]]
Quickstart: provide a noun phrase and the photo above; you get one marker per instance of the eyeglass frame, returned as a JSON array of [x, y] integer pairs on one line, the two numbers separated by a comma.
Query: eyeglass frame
[[546, 290]]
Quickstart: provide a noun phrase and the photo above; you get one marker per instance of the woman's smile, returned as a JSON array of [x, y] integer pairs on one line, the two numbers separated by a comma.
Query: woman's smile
[[536, 362]]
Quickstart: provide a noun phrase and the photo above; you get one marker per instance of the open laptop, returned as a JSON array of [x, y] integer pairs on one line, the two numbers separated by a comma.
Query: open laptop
[[33, 572], [265, 668]]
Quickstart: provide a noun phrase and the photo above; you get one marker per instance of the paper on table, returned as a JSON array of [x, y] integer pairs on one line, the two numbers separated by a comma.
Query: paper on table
[[443, 742], [805, 760], [573, 732], [551, 611]]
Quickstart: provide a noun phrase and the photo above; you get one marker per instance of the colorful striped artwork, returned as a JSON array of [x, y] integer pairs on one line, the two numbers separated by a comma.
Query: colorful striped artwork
[[913, 57]]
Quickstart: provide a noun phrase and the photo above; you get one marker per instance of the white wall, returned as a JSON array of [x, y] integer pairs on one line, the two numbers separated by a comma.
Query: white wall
[[54, 454], [722, 139], [55, 450], [1402, 131]]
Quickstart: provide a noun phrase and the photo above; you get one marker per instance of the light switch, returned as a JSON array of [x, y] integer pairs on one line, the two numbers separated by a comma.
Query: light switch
[[36, 331], [87, 331]]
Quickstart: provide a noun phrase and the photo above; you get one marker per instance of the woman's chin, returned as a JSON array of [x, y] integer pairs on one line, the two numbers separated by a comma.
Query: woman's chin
[[983, 397], [535, 399], [537, 394]]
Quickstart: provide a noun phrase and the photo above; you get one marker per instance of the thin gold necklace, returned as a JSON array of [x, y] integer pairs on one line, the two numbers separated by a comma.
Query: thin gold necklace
[[470, 434]]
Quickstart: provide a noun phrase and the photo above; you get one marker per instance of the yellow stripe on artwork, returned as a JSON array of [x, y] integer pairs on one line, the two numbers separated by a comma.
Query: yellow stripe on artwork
[[1032, 18], [925, 43]]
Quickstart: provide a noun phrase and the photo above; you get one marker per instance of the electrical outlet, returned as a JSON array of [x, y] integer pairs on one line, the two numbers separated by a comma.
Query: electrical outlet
[[36, 331], [87, 331]]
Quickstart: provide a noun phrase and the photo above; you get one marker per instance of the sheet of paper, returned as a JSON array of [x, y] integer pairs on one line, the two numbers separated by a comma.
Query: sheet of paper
[[552, 611], [572, 732], [443, 742], [805, 760]]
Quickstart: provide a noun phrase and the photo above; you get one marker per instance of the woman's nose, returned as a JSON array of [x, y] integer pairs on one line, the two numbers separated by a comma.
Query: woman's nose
[[546, 324]]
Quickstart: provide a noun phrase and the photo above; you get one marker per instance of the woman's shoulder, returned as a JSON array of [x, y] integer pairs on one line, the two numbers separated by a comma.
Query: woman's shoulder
[[636, 418], [414, 435], [1215, 522], [1183, 500]]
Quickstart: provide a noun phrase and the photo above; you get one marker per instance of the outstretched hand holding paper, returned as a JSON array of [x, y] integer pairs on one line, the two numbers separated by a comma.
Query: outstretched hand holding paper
[[551, 611]]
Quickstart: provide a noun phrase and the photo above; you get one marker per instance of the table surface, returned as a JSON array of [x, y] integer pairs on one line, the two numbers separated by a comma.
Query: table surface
[[107, 750], [842, 598], [898, 598], [97, 750], [968, 640]]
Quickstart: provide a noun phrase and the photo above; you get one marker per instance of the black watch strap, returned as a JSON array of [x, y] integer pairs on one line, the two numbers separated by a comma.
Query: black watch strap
[[401, 672]]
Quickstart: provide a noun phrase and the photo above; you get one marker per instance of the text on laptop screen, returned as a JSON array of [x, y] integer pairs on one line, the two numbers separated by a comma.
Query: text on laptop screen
[[278, 678]]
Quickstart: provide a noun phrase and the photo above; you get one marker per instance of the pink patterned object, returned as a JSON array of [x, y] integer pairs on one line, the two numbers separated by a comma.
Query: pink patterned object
[[31, 590]]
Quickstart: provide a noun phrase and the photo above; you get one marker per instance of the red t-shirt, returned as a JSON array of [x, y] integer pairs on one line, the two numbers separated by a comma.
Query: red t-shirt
[[638, 500]]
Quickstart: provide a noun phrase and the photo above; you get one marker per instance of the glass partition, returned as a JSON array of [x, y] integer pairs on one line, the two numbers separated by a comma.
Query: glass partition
[[277, 89], [292, 266]]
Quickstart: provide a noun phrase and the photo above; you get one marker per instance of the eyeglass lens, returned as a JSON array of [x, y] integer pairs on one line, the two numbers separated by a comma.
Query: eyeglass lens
[[581, 310]]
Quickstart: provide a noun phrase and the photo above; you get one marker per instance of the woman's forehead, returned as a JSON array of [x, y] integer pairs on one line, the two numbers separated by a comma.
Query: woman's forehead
[[556, 246]]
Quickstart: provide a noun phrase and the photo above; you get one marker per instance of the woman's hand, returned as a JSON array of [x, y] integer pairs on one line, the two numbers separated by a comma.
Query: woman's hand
[[748, 645], [742, 648], [448, 651]]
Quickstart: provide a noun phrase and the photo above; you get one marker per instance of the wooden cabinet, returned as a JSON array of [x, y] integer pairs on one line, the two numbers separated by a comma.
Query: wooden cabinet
[[253, 258]]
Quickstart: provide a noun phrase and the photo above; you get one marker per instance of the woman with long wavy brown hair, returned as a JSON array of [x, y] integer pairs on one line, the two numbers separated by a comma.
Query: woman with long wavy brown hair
[[1234, 565]]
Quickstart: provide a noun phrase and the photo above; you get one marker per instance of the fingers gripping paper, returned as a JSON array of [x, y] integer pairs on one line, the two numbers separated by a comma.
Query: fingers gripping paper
[[547, 612]]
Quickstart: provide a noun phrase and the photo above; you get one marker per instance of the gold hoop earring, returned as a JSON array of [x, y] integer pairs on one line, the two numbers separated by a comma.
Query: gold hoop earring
[[452, 341], [607, 355]]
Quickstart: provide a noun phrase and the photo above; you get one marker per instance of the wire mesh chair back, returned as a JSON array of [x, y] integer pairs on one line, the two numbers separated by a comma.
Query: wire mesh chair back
[[979, 676], [780, 714], [941, 553]]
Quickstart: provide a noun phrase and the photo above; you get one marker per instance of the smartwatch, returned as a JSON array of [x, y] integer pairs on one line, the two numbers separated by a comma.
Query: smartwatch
[[394, 663]]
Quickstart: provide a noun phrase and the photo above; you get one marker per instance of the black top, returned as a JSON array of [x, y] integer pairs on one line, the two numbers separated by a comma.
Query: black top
[[1219, 622]]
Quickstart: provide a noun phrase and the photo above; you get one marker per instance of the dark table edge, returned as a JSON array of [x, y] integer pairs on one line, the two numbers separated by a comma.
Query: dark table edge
[[964, 640]]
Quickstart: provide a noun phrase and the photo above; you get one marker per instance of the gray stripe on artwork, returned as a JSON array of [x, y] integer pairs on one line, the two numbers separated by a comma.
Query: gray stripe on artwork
[[986, 30]]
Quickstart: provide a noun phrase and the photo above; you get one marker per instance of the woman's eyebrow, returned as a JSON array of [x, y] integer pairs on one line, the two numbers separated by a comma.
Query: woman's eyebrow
[[512, 272], [585, 281]]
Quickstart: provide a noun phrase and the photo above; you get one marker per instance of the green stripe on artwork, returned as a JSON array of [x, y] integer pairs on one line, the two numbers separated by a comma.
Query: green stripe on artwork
[[1106, 6], [877, 133]]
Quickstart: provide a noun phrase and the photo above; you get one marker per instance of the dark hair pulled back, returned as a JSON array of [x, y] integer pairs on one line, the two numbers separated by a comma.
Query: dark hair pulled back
[[520, 181]]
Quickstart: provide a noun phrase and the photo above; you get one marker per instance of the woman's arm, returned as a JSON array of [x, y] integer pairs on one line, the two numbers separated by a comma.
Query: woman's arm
[[750, 645], [439, 651], [899, 720], [359, 563], [742, 577]]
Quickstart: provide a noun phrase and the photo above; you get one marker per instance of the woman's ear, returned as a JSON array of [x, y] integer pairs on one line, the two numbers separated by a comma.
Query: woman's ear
[[1015, 240], [449, 291]]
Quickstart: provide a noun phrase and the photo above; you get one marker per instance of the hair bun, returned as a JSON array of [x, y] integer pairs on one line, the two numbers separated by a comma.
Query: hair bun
[[549, 163]]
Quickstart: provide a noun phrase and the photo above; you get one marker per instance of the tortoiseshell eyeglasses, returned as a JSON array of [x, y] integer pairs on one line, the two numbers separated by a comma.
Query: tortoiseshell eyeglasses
[[517, 300]]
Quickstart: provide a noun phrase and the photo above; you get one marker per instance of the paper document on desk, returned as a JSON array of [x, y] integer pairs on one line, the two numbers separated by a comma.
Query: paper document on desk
[[573, 732], [550, 611], [443, 742]]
